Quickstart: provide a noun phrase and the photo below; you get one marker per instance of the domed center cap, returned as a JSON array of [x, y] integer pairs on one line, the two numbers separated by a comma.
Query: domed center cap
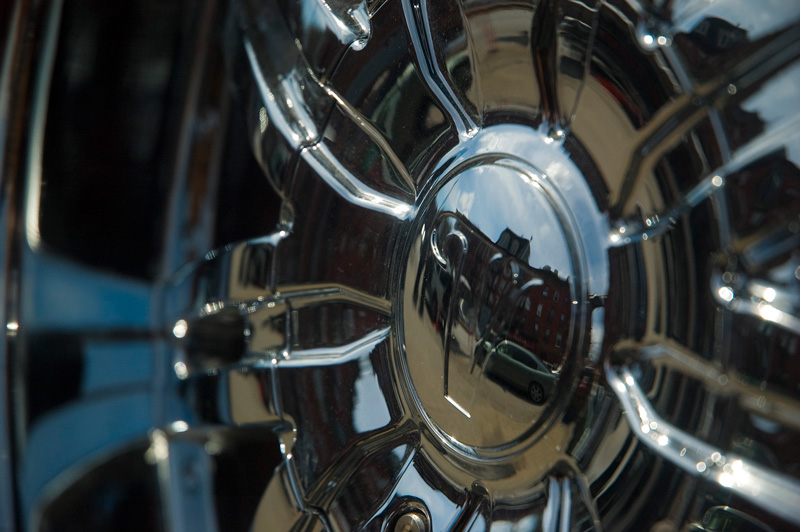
[[489, 304]]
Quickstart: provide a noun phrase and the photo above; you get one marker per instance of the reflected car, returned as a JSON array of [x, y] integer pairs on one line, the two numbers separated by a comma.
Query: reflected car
[[512, 365]]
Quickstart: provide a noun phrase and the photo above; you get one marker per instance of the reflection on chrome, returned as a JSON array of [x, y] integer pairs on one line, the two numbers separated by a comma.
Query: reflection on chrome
[[331, 170], [377, 137], [429, 57], [635, 231], [752, 397], [319, 264], [656, 225], [771, 302], [772, 491], [348, 20], [562, 37], [265, 332]]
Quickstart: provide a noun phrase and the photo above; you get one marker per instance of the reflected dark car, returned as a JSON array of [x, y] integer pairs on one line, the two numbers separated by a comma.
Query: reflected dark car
[[513, 365]]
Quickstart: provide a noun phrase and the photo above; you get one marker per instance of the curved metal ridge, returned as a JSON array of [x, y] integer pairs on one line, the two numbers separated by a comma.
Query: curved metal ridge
[[686, 111], [350, 23], [776, 493], [760, 299], [333, 172], [304, 294], [553, 45], [262, 332], [323, 356], [284, 102], [419, 30], [718, 381], [377, 137], [293, 98], [623, 234]]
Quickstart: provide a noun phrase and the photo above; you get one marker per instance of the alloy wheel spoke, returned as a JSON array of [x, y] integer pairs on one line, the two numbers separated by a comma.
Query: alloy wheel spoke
[[678, 117], [625, 233], [265, 332], [293, 103], [772, 491], [433, 68], [323, 161], [569, 503], [762, 299], [721, 382], [562, 37]]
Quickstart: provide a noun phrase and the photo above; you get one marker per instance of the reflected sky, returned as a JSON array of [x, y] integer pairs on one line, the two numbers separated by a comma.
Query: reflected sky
[[777, 96], [756, 18], [496, 198], [503, 200], [370, 410], [774, 103]]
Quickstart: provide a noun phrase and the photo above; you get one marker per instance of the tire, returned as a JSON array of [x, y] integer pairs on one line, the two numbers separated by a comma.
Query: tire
[[536, 393], [255, 253]]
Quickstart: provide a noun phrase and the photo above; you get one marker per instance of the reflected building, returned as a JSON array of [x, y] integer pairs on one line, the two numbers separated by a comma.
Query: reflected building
[[499, 295]]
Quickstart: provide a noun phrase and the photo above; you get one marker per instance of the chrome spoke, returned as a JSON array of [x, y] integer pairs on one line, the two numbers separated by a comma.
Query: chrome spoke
[[290, 100], [264, 333], [569, 503], [294, 102], [374, 134], [562, 503], [757, 250], [678, 117], [624, 233], [430, 61], [762, 299], [268, 388], [283, 507], [774, 492], [562, 37], [721, 382], [320, 158], [347, 20], [470, 517], [557, 514], [335, 479]]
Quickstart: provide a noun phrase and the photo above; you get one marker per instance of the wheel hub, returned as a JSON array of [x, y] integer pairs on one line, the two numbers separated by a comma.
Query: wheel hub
[[494, 314], [489, 295]]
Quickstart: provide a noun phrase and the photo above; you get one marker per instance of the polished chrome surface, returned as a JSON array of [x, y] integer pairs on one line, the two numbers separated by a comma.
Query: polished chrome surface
[[400, 264]]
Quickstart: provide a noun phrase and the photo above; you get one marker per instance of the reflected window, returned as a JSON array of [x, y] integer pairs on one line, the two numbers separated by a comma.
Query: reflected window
[[563, 320], [547, 335], [558, 340], [539, 311], [555, 296], [546, 291], [536, 330], [528, 304], [551, 315]]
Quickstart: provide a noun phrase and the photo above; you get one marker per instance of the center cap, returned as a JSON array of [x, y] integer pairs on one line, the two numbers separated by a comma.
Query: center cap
[[490, 304]]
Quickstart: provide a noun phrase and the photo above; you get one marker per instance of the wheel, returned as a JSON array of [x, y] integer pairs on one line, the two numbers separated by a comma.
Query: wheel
[[256, 251], [536, 392]]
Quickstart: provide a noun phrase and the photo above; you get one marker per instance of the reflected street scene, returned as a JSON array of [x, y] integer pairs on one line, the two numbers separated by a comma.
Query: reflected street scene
[[491, 307]]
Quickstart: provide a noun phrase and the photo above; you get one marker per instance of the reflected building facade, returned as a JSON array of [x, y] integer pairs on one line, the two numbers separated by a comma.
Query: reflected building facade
[[499, 296]]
